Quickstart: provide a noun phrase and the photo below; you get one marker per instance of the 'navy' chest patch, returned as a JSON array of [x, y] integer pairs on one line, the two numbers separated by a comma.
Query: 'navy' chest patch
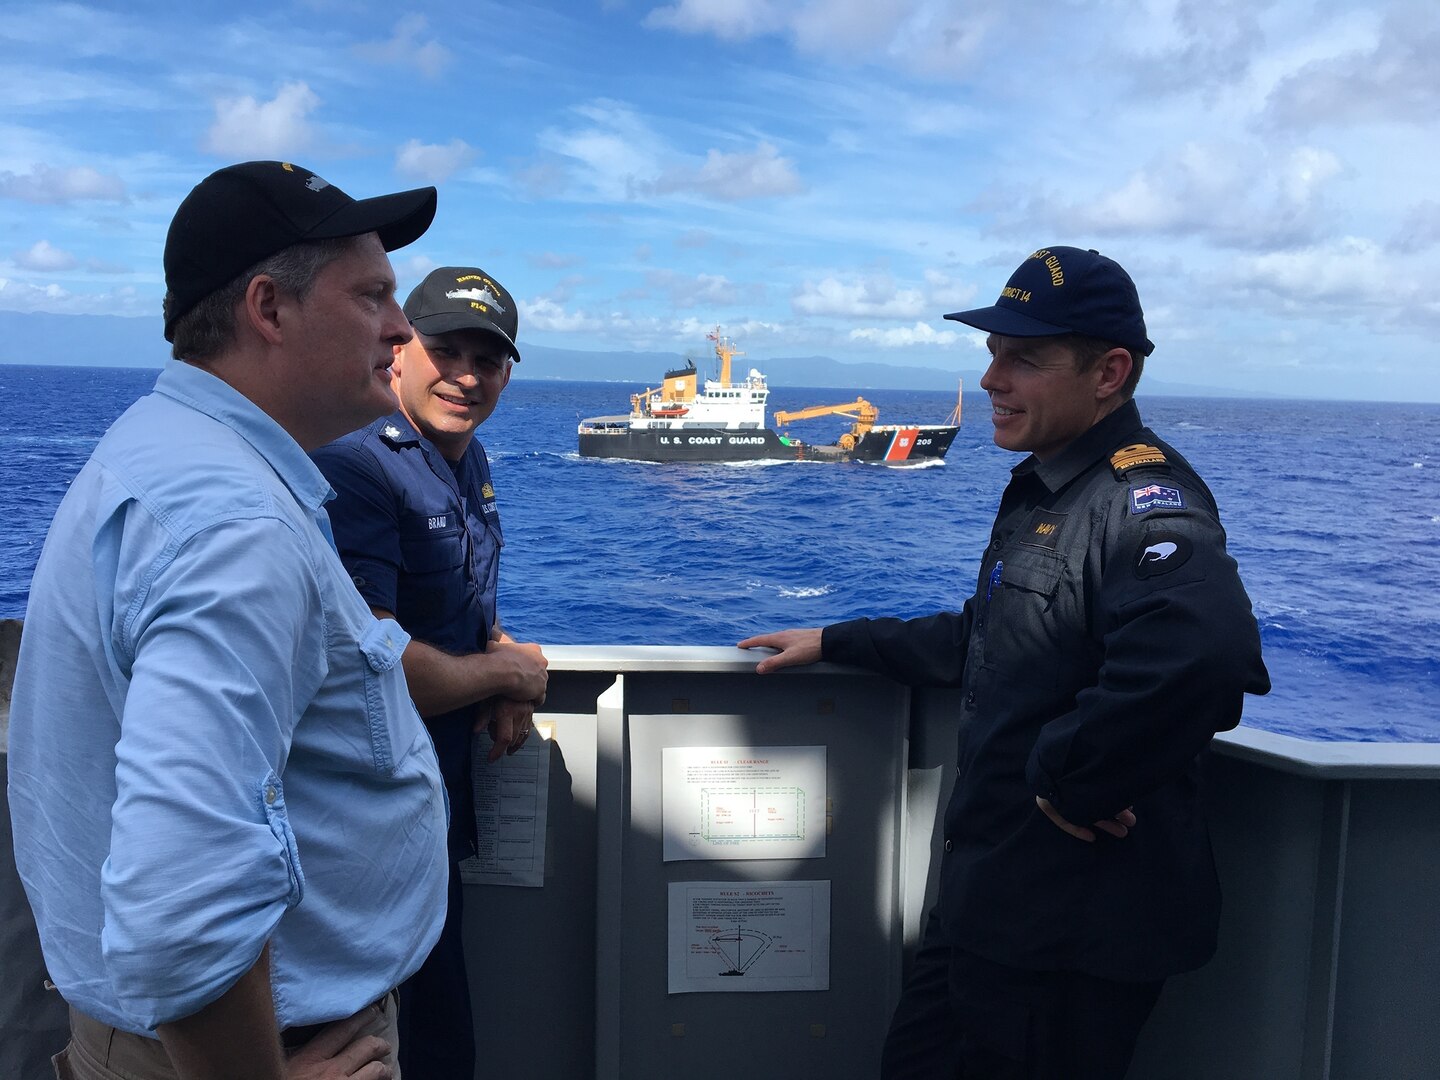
[[1155, 497], [1161, 552], [1043, 529]]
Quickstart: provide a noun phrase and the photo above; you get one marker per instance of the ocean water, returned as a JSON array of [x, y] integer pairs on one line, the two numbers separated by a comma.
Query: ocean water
[[1333, 513]]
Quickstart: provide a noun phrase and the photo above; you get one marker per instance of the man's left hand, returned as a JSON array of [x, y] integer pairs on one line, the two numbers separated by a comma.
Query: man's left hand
[[508, 722], [1119, 826]]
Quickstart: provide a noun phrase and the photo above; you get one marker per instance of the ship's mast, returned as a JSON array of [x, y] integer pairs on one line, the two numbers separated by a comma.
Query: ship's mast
[[726, 352]]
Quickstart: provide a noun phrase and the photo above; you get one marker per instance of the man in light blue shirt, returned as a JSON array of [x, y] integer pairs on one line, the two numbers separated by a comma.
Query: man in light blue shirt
[[228, 817]]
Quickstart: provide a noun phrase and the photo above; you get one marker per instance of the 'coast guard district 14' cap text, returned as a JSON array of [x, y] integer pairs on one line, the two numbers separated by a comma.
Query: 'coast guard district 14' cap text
[[1065, 290]]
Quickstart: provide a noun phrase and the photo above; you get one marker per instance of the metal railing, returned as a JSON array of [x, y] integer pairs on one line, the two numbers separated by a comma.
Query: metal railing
[[1329, 857]]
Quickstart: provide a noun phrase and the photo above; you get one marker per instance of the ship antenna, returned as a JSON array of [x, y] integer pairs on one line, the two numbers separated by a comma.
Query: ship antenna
[[726, 352]]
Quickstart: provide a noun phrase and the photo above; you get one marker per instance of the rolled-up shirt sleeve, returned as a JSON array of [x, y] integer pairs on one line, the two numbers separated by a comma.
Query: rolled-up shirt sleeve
[[202, 862]]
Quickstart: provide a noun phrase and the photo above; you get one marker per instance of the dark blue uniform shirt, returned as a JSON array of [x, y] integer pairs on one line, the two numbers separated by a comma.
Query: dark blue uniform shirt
[[421, 538], [1108, 639]]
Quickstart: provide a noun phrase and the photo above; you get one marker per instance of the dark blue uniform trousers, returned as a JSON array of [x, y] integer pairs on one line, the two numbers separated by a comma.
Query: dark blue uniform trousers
[[962, 1017], [437, 1040]]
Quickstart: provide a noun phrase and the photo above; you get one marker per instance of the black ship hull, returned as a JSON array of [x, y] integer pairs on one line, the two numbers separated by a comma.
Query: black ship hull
[[891, 445]]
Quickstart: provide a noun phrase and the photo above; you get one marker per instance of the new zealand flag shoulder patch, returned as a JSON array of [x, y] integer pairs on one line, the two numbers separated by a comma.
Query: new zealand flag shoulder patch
[[1155, 497]]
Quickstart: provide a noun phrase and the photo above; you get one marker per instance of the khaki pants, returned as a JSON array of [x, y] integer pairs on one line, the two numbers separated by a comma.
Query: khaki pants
[[98, 1051]]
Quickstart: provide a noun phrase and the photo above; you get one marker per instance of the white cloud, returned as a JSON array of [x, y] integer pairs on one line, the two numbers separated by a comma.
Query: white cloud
[[690, 330], [279, 128], [1195, 46], [23, 296], [1388, 80], [564, 289], [430, 163], [1350, 268], [947, 293], [939, 37], [702, 290], [1349, 278], [553, 260], [921, 333], [616, 156], [1419, 228], [729, 20], [46, 184], [72, 29], [542, 179], [936, 37], [610, 156], [411, 268], [871, 298], [543, 315], [405, 48], [694, 238], [45, 257], [1233, 194], [733, 177], [1305, 172]]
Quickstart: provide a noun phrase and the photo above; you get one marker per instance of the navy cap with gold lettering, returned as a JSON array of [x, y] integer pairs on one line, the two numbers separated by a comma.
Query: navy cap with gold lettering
[[1066, 290], [463, 298]]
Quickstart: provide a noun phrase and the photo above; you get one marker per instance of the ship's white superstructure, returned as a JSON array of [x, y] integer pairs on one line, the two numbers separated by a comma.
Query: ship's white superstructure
[[732, 406]]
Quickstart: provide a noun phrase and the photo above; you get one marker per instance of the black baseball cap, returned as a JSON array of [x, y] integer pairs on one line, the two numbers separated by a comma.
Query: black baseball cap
[[1066, 290], [463, 298], [244, 213]]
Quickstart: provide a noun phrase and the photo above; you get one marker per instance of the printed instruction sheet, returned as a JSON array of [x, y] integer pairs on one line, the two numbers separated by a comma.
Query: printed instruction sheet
[[743, 802], [749, 936], [511, 799]]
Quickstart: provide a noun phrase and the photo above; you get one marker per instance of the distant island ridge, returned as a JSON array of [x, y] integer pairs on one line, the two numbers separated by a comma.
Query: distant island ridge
[[138, 341]]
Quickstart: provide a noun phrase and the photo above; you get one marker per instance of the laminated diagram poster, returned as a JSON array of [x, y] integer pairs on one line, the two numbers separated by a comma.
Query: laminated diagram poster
[[511, 803], [748, 936], [743, 802]]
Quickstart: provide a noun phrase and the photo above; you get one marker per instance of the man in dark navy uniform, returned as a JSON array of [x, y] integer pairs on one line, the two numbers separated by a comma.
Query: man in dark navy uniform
[[416, 524], [1108, 639]]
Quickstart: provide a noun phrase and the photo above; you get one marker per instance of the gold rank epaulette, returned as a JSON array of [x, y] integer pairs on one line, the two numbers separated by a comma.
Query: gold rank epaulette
[[1130, 457]]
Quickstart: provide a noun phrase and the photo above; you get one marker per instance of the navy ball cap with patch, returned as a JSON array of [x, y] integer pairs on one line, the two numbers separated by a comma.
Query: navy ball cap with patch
[[1066, 290], [244, 213]]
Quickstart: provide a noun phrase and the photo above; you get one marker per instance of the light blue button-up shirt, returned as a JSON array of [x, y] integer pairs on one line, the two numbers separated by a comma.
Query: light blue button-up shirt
[[211, 742]]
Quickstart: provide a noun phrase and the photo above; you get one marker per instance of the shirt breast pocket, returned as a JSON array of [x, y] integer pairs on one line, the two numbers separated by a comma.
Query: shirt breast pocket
[[426, 550], [1022, 629], [391, 715]]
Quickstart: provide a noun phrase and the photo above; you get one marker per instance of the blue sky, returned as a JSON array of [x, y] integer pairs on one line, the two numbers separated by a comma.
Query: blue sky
[[819, 176]]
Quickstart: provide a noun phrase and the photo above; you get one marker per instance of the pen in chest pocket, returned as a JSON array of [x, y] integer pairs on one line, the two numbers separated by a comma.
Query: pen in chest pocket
[[994, 579]]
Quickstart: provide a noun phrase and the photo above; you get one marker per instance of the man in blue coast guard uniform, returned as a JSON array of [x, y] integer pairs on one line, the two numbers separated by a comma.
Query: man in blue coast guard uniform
[[416, 525], [1108, 639], [228, 817]]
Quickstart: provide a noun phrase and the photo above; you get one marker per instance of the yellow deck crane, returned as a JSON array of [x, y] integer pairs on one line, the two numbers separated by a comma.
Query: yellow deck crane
[[861, 411]]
